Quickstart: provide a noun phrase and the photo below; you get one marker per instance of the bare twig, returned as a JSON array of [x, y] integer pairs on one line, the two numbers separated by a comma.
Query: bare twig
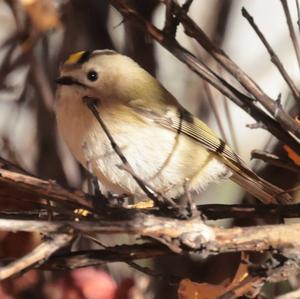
[[36, 188], [77, 259], [298, 14], [38, 255], [291, 29], [172, 22], [194, 31], [199, 68], [220, 211], [274, 58], [274, 160]]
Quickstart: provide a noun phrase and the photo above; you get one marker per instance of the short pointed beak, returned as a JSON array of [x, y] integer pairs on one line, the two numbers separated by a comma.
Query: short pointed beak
[[65, 80]]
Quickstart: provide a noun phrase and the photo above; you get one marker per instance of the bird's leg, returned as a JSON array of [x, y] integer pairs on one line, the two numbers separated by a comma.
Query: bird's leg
[[189, 208]]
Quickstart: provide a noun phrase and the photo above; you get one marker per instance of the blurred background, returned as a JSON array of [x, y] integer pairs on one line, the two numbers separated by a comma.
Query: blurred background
[[36, 36]]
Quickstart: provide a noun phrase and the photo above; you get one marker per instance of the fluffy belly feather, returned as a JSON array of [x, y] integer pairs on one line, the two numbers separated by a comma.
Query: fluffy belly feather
[[169, 162]]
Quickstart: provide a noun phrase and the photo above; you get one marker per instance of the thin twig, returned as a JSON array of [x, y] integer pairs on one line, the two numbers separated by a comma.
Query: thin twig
[[274, 160], [298, 14], [37, 188], [38, 255], [85, 258], [221, 211], [194, 31], [291, 29], [274, 58], [171, 22]]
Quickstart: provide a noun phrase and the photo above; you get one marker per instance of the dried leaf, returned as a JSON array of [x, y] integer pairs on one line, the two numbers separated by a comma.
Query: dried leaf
[[193, 290], [291, 153]]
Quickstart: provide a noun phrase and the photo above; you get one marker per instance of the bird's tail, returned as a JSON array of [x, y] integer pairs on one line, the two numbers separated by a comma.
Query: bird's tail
[[261, 189]]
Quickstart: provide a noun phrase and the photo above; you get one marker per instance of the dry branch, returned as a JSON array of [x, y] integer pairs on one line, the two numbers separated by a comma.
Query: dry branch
[[274, 58], [291, 29], [194, 31], [12, 183], [38, 255], [19, 187], [178, 235], [85, 258]]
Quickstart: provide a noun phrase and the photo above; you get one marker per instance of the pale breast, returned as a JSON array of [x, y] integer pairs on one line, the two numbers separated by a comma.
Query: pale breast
[[165, 160]]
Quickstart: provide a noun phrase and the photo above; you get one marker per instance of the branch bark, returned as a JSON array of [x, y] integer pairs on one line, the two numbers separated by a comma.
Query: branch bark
[[179, 235], [39, 255]]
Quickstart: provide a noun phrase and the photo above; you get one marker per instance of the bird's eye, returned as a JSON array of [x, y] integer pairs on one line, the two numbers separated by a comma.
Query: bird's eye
[[92, 75]]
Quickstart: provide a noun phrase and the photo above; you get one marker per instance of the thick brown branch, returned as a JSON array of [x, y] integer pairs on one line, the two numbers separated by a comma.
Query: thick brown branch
[[193, 234], [36, 188]]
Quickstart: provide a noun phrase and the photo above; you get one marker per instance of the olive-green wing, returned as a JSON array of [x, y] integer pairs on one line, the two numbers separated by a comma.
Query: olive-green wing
[[181, 121]]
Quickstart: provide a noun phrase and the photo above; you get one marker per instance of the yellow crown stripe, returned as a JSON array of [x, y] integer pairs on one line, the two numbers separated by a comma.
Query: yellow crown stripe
[[74, 58]]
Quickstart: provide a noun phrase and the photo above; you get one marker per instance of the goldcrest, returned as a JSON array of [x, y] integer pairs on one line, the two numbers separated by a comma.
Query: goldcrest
[[167, 147]]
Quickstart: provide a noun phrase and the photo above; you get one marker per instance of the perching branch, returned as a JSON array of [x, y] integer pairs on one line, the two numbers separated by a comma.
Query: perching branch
[[179, 235], [19, 187]]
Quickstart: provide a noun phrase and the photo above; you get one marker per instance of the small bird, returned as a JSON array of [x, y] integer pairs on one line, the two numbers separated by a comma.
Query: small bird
[[166, 146]]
